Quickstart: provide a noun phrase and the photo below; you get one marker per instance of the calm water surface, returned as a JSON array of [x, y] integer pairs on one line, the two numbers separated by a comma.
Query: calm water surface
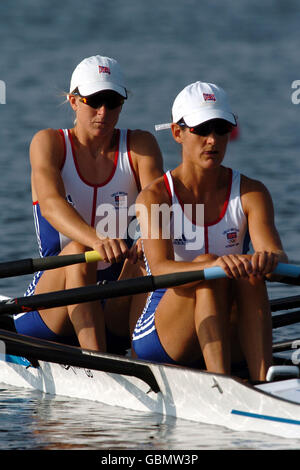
[[249, 48]]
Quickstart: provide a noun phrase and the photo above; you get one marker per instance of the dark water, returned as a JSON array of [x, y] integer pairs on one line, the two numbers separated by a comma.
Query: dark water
[[249, 48]]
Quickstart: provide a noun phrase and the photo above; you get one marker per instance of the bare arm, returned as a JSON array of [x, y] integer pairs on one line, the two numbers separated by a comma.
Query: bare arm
[[46, 157], [148, 165], [258, 207], [158, 247], [146, 156]]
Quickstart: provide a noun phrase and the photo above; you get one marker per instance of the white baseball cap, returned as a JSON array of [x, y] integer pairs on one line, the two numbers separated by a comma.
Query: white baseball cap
[[98, 73], [198, 103]]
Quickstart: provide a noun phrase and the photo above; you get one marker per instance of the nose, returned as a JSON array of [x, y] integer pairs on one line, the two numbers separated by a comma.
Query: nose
[[211, 137], [102, 109]]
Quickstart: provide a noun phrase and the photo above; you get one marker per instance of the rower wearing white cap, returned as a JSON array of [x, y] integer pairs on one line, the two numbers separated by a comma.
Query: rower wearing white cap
[[215, 213], [76, 174]]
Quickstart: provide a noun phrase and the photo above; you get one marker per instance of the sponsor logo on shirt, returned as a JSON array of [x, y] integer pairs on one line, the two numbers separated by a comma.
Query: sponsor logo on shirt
[[120, 199], [231, 236]]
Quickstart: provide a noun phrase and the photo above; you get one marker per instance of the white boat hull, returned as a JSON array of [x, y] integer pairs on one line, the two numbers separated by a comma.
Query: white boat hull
[[184, 393]]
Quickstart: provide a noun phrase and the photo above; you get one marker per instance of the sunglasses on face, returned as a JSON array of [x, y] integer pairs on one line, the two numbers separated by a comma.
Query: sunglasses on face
[[110, 100], [218, 126]]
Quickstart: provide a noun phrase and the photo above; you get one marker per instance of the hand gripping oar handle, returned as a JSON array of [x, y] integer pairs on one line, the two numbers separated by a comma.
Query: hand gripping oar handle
[[32, 265], [282, 269], [117, 289]]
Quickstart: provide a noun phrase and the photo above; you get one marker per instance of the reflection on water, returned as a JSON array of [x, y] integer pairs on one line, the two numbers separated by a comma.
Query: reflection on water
[[50, 423]]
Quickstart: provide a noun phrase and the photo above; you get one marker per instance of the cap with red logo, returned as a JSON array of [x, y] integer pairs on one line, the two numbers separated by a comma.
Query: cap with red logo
[[200, 102], [98, 73]]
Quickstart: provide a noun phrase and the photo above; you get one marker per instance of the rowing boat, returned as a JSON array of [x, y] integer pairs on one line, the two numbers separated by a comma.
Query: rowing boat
[[272, 407], [196, 395]]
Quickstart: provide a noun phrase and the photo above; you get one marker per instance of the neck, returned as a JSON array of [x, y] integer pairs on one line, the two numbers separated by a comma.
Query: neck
[[201, 180], [95, 145]]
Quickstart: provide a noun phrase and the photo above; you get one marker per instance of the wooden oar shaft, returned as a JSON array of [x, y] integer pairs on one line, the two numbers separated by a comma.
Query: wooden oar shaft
[[32, 265]]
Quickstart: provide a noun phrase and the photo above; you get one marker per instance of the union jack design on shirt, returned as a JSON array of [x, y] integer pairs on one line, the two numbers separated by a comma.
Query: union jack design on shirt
[[120, 199], [231, 235]]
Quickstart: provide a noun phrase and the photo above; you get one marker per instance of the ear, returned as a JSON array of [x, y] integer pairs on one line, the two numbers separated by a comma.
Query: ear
[[177, 132], [73, 102]]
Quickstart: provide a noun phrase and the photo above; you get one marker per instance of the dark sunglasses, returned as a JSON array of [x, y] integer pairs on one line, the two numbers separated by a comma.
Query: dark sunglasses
[[110, 100], [218, 126]]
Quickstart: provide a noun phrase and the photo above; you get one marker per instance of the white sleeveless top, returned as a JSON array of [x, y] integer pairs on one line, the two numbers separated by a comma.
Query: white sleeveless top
[[227, 235], [96, 203]]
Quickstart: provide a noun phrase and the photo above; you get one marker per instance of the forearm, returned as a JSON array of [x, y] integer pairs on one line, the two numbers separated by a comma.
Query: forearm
[[168, 266], [66, 220], [281, 258]]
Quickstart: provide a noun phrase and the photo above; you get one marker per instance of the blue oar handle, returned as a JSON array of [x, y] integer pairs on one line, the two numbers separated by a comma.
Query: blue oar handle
[[213, 273], [289, 270], [283, 269]]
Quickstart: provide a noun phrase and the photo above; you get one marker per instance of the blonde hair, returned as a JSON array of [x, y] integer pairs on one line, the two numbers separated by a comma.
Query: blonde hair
[[66, 96]]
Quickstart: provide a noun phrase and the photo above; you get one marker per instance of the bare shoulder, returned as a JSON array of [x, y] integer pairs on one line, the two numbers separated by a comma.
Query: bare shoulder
[[140, 138], [146, 156], [154, 193], [46, 135], [143, 143], [250, 184], [254, 193], [49, 144]]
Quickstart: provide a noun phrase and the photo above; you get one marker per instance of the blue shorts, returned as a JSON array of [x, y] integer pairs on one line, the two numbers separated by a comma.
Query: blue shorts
[[32, 324], [145, 340]]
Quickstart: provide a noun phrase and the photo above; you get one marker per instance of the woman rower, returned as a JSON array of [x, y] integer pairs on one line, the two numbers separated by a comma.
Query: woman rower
[[203, 320], [76, 174]]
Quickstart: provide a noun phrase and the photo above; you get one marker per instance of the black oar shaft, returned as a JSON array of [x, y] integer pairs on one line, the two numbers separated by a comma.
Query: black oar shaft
[[16, 268], [32, 265], [285, 304], [285, 319], [96, 292], [40, 264], [39, 349]]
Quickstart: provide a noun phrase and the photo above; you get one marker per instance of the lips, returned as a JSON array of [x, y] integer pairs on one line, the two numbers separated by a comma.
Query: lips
[[99, 123]]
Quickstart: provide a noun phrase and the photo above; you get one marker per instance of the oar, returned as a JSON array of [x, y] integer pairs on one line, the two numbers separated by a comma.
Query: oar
[[281, 346], [285, 304], [285, 319], [288, 318], [32, 265], [33, 348], [294, 281], [119, 288]]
